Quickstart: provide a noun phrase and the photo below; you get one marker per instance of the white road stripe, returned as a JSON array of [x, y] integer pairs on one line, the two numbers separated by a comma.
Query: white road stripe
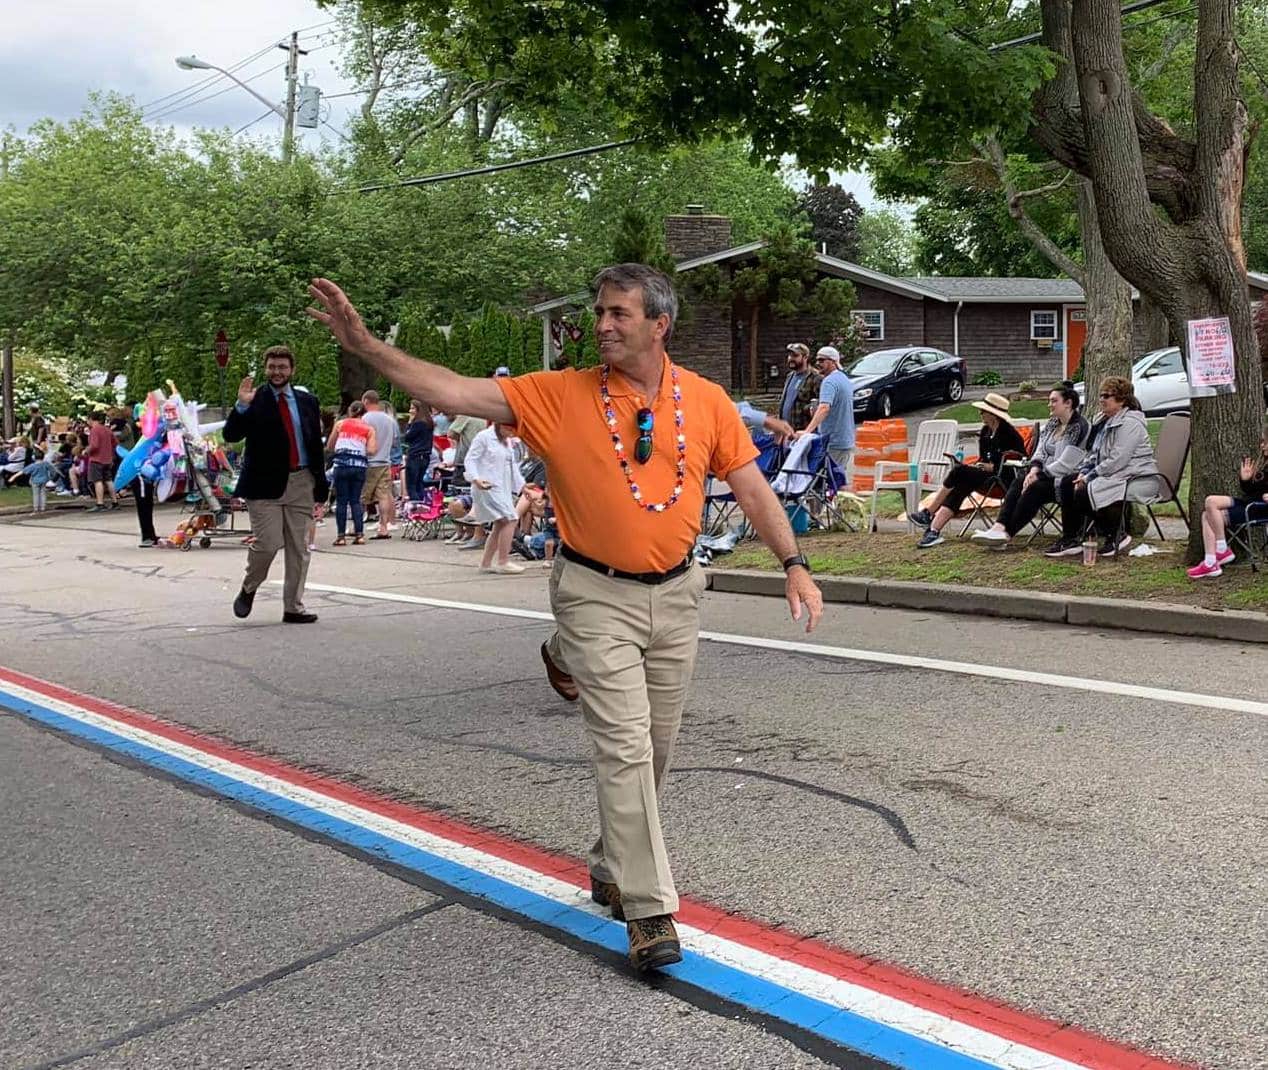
[[846, 995], [879, 657]]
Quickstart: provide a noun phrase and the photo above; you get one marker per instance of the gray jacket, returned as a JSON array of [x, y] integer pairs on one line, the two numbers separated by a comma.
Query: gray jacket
[[1122, 450], [1055, 437]]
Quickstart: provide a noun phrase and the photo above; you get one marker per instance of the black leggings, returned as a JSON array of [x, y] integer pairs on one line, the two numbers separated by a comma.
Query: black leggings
[[963, 480], [143, 495], [1077, 511], [1021, 506]]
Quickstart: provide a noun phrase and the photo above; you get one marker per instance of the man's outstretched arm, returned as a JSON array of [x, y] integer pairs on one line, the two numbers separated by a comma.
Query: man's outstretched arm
[[445, 389]]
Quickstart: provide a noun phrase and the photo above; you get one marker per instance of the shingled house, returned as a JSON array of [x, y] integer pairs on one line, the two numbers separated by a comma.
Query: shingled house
[[1022, 328]]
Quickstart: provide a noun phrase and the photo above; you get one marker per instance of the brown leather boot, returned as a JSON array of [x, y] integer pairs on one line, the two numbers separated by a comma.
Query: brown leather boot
[[653, 942], [563, 684], [607, 894]]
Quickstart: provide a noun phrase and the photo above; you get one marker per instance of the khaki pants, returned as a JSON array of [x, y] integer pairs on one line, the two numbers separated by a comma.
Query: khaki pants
[[282, 524], [631, 648]]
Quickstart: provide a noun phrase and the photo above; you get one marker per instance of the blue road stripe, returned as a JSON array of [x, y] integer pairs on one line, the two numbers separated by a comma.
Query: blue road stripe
[[839, 1026]]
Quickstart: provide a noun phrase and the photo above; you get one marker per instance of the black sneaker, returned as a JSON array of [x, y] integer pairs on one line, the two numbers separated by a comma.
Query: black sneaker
[[1064, 548], [922, 518], [1110, 548], [930, 538]]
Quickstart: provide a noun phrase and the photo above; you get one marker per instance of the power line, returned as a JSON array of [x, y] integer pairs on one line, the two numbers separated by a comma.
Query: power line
[[1031, 38], [428, 180], [362, 92], [253, 122]]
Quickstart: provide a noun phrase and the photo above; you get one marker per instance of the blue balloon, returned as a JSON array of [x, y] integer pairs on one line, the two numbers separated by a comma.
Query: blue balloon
[[133, 459]]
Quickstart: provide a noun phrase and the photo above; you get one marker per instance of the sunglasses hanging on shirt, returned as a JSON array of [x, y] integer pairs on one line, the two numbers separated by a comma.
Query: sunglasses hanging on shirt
[[646, 421]]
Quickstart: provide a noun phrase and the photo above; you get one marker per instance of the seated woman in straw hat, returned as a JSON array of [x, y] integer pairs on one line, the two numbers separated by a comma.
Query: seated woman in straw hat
[[997, 438]]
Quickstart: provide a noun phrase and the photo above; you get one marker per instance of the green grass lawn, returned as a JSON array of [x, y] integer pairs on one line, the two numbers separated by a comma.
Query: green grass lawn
[[14, 496], [1025, 409], [1158, 578]]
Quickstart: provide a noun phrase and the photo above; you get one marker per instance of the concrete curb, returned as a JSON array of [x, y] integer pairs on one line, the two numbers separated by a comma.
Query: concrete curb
[[1155, 617]]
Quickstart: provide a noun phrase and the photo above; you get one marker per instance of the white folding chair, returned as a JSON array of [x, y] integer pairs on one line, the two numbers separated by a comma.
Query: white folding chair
[[934, 439]]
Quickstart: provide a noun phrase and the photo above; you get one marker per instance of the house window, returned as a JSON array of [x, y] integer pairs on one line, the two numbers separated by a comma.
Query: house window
[[1043, 326], [873, 323]]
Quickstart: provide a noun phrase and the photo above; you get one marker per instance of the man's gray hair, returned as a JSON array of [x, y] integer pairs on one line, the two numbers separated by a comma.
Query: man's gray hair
[[658, 292]]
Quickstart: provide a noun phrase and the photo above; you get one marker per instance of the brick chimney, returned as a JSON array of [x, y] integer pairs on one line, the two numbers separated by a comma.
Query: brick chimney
[[695, 234]]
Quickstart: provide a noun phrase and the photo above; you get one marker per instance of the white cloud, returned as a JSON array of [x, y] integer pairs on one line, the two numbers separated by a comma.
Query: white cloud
[[53, 55]]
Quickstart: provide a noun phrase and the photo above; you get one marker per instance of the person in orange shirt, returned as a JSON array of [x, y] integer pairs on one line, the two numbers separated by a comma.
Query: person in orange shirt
[[627, 447]]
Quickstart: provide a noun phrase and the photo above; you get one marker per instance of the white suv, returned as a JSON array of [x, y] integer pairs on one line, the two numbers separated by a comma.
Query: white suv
[[1159, 381]]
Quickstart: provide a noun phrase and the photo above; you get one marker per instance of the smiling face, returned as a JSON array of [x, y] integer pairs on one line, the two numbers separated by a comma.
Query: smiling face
[[622, 329], [278, 371]]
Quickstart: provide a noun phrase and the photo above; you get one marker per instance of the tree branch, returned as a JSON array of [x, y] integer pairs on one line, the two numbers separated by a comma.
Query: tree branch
[[1055, 255], [469, 99], [1044, 191]]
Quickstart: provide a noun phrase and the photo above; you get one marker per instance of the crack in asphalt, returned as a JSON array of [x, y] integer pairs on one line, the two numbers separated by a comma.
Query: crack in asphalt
[[255, 984]]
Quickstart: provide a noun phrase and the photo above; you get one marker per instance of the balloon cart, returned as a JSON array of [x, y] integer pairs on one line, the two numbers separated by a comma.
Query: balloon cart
[[209, 500]]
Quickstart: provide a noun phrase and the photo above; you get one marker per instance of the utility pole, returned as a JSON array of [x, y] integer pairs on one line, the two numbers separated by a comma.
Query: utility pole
[[293, 52], [6, 375]]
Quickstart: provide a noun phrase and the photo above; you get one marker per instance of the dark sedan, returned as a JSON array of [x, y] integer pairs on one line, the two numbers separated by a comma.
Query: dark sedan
[[893, 379]]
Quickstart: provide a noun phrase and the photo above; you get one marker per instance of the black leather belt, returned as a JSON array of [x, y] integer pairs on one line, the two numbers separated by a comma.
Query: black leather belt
[[652, 579]]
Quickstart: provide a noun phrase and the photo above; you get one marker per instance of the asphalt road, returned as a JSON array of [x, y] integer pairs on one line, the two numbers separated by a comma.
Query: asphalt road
[[1095, 858]]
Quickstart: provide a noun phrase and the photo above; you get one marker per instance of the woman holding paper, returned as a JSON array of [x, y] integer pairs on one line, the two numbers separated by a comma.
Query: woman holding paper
[[1058, 453]]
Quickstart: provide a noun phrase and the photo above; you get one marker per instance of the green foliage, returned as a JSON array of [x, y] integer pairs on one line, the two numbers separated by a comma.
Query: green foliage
[[887, 243], [640, 239], [990, 377], [834, 216], [786, 276]]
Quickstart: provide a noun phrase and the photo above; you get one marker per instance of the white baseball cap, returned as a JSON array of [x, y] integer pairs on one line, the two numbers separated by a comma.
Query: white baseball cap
[[828, 353]]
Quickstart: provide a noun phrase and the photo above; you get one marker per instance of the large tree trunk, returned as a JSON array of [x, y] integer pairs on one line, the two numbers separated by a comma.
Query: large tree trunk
[[1108, 348], [1155, 331], [1191, 262]]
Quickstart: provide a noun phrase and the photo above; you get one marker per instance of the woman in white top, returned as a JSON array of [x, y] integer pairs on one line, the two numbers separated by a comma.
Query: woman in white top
[[495, 482]]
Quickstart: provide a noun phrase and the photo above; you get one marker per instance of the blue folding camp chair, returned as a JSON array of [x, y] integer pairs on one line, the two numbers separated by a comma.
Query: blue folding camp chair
[[722, 512], [811, 490]]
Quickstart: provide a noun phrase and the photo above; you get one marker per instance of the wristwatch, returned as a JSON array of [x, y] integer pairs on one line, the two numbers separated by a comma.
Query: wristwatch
[[795, 560]]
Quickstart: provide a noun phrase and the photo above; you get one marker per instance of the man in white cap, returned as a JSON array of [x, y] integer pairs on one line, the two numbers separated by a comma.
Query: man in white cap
[[834, 417]]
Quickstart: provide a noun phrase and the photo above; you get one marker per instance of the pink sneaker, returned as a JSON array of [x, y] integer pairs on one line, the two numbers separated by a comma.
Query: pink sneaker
[[1203, 571], [1224, 558]]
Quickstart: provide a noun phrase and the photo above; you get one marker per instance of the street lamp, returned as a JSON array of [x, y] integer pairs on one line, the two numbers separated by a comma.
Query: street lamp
[[193, 63]]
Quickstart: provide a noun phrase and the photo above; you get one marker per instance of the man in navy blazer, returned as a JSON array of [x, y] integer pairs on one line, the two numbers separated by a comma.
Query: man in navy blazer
[[283, 474]]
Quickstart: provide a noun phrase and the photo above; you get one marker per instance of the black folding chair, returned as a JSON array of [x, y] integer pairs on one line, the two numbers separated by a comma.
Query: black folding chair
[[1253, 530]]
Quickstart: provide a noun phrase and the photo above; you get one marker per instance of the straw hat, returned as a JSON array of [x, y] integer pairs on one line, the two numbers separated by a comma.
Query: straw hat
[[996, 404]]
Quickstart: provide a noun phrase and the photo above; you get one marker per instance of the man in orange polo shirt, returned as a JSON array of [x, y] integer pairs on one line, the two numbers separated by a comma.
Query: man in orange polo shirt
[[627, 447]]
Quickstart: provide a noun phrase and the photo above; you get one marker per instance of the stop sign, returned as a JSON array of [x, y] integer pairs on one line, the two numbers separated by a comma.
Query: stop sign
[[222, 349]]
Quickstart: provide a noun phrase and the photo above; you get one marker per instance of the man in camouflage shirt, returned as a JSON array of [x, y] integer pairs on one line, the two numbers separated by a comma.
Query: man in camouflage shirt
[[800, 397]]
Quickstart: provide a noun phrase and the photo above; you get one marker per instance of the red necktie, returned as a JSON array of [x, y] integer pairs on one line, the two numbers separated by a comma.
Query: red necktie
[[284, 407]]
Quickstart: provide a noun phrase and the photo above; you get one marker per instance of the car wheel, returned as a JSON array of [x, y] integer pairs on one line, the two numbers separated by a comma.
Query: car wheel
[[885, 405], [955, 389]]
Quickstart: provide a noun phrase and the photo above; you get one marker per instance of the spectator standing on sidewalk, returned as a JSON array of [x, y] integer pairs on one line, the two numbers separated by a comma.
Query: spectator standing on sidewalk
[[378, 473], [800, 395], [37, 429], [627, 446], [496, 481], [418, 439], [283, 475], [834, 416], [352, 440], [101, 457]]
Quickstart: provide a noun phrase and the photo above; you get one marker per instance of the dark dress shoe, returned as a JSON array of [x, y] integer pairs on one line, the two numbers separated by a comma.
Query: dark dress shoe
[[298, 618], [563, 684], [243, 603], [607, 894], [653, 942]]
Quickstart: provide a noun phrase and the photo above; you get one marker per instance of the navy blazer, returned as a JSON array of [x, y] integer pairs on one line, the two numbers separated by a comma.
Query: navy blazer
[[266, 463]]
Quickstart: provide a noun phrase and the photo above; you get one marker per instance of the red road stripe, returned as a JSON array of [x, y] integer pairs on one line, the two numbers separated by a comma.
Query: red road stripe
[[1061, 1039]]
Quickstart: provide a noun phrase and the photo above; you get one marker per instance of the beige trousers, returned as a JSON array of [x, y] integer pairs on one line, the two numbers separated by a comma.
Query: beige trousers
[[631, 648], [282, 524]]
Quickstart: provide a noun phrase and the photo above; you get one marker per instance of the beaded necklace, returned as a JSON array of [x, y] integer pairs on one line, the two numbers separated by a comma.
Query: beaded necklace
[[609, 413]]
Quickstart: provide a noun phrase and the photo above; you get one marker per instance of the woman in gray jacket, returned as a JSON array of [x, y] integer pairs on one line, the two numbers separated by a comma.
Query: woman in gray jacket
[[1122, 451]]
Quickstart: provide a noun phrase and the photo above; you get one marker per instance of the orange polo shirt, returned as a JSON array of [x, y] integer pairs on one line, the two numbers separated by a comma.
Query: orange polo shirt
[[560, 416]]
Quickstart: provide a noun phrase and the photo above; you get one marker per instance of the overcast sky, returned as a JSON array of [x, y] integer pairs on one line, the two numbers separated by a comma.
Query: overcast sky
[[54, 53]]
